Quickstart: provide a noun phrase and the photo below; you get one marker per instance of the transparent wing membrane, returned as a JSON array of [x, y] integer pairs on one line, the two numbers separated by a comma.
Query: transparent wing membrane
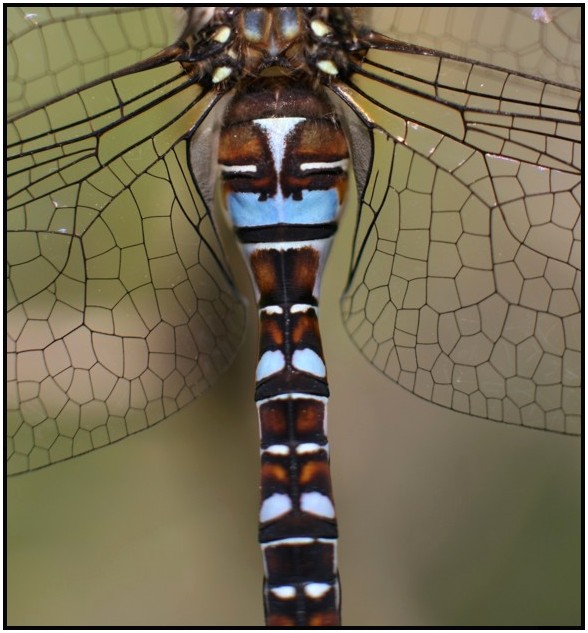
[[541, 41], [120, 309], [53, 50], [464, 277], [464, 281]]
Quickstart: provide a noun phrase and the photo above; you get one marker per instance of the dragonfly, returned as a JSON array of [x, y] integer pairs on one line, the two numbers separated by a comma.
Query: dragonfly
[[373, 359]]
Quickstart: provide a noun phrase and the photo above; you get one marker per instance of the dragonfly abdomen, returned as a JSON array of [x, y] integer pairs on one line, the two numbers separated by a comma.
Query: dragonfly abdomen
[[283, 159], [298, 528]]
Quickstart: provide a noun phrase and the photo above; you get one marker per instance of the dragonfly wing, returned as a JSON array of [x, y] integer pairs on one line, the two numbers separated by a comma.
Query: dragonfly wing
[[464, 281], [544, 42], [120, 306], [54, 50]]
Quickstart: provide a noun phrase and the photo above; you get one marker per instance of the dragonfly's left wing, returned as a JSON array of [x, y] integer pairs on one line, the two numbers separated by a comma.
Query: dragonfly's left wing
[[120, 305], [52, 50], [464, 281]]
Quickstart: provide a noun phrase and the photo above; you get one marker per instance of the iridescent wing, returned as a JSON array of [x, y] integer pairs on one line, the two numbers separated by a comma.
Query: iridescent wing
[[464, 285], [120, 306]]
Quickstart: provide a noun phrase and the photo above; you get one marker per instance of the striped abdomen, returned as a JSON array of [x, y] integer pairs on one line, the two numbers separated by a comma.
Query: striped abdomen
[[283, 160]]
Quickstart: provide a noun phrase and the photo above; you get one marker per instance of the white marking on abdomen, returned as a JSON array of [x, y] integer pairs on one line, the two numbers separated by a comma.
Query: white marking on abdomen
[[317, 504], [285, 593], [239, 169], [272, 310], [308, 361], [274, 507], [301, 307], [294, 540], [343, 164], [276, 131], [270, 363], [319, 245], [277, 449], [310, 447], [316, 590], [293, 396]]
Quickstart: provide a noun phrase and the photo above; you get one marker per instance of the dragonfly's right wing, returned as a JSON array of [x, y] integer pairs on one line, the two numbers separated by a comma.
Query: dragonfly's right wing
[[120, 306]]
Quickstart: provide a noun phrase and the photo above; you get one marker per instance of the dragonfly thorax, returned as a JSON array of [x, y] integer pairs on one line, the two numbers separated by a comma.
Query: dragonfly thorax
[[246, 41]]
